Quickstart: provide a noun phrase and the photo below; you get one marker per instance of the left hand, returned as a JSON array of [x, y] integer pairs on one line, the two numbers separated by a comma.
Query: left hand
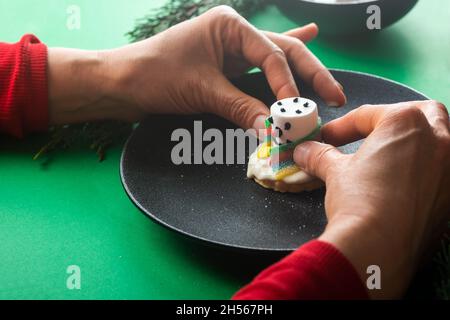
[[185, 69]]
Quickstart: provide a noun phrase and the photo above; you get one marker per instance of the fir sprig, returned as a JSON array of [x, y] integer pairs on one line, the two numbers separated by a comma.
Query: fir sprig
[[176, 11], [97, 136], [442, 265]]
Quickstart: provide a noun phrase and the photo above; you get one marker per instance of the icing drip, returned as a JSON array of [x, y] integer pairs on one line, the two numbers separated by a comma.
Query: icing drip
[[260, 169]]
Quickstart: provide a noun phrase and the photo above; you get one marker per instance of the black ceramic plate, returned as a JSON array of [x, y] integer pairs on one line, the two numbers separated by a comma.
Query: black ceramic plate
[[217, 203]]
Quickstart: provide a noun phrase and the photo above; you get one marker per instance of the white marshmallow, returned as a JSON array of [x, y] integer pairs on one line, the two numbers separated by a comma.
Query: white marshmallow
[[293, 119]]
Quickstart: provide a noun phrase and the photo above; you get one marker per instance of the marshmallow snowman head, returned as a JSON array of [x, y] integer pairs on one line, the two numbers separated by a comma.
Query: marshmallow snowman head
[[292, 119]]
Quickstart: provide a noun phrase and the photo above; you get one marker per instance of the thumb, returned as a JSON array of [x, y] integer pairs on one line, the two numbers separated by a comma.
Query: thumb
[[238, 107], [316, 158]]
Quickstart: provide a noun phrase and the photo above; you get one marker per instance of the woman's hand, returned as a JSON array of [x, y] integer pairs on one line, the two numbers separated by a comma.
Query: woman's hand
[[388, 201], [185, 69]]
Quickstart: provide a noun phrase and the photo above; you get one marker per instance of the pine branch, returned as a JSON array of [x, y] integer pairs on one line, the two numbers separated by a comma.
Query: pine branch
[[442, 263], [98, 136], [176, 11]]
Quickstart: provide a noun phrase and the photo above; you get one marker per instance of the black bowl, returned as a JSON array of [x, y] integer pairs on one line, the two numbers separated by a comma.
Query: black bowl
[[344, 17]]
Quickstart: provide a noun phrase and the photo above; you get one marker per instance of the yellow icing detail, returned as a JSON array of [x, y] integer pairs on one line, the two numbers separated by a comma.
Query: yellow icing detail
[[283, 173], [264, 151]]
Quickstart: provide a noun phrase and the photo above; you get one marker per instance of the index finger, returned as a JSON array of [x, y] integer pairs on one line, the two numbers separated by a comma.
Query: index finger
[[309, 67], [261, 52], [437, 115], [355, 125], [360, 122]]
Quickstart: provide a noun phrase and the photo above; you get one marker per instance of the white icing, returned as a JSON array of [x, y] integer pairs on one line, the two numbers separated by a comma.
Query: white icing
[[260, 169]]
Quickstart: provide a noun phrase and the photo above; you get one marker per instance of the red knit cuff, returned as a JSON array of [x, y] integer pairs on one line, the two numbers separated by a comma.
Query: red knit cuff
[[36, 108], [331, 268], [315, 271], [23, 86]]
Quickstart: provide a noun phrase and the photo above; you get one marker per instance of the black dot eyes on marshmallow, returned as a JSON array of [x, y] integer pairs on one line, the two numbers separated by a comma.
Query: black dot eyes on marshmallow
[[287, 126], [279, 103], [283, 110], [306, 105], [296, 100], [298, 111], [280, 132]]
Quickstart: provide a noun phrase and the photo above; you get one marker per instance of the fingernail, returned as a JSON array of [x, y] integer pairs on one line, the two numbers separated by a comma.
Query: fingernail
[[340, 85], [341, 89], [259, 122], [302, 148], [301, 153], [332, 104]]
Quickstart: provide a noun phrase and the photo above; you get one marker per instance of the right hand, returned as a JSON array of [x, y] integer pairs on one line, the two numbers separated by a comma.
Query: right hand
[[388, 201]]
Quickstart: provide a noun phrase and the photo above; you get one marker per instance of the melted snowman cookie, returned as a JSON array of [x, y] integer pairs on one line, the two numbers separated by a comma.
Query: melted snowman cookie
[[292, 121]]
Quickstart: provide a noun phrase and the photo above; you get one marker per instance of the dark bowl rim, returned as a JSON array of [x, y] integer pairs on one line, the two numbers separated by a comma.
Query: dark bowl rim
[[354, 2]]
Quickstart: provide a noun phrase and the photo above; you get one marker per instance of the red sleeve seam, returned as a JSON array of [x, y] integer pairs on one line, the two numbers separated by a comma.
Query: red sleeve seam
[[23, 86], [317, 270], [36, 108]]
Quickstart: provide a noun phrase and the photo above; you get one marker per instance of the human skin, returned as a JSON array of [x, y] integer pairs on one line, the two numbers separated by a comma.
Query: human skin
[[387, 203], [384, 203], [185, 69]]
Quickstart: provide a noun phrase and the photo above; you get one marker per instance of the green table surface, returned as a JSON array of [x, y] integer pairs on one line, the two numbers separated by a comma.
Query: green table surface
[[73, 211]]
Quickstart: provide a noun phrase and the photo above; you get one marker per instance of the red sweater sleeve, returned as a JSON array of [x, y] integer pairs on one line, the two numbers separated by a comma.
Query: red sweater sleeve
[[23, 86], [315, 271]]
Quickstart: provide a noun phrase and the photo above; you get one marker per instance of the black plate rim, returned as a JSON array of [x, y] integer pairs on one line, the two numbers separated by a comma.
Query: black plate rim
[[356, 2], [209, 242], [381, 78]]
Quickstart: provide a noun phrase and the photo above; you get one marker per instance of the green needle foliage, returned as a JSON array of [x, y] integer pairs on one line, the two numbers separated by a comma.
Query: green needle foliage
[[442, 262], [97, 136], [176, 11]]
